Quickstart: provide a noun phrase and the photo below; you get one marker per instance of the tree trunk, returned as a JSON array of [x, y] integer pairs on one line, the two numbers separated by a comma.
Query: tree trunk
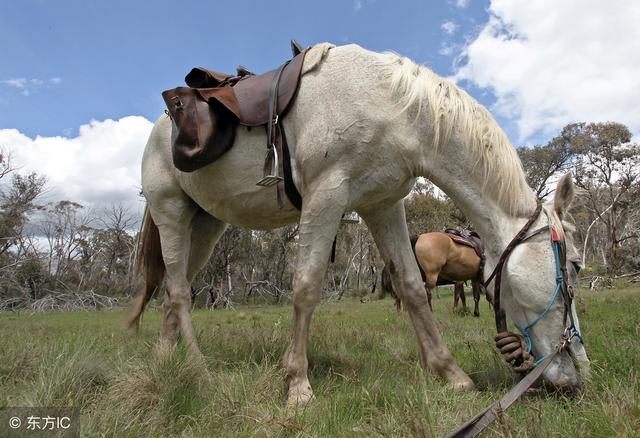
[[614, 241]]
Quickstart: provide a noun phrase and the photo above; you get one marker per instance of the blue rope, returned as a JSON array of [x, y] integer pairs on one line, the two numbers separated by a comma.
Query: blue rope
[[539, 361], [525, 331]]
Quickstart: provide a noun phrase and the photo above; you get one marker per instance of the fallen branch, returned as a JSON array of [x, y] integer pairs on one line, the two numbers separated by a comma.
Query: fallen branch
[[632, 274], [70, 301]]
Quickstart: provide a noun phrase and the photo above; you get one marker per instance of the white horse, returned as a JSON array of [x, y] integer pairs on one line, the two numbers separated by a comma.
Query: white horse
[[364, 126]]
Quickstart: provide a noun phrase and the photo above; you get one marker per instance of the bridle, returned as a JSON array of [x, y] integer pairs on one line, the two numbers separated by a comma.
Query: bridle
[[562, 287], [518, 347]]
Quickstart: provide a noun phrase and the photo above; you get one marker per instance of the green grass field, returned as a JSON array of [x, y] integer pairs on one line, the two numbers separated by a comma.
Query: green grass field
[[363, 367]]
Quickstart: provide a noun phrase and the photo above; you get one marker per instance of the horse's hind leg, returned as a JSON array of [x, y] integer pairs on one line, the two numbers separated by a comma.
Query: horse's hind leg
[[319, 221], [430, 284], [389, 229], [206, 230], [456, 297], [475, 287], [173, 218], [179, 224], [463, 298]]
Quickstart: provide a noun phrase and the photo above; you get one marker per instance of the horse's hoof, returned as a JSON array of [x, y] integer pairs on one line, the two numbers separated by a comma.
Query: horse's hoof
[[299, 396], [463, 385]]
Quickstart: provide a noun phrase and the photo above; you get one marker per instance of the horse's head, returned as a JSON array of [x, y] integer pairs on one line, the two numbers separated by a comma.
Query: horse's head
[[531, 296]]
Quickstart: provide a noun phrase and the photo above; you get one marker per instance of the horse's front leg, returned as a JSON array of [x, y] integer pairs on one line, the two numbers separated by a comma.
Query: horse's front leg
[[319, 221], [389, 229]]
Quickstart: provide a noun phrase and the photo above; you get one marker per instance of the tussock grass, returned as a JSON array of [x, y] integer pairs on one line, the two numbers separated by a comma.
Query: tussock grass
[[363, 367], [65, 377]]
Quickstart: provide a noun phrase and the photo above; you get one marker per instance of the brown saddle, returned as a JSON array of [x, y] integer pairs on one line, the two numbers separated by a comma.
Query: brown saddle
[[206, 114], [467, 238]]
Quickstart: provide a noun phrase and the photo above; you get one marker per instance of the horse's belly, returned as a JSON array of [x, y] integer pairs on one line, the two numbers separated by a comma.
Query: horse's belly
[[231, 195], [246, 209], [461, 271]]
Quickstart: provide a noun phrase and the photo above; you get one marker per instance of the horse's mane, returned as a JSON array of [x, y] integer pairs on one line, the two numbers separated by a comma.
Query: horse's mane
[[501, 175]]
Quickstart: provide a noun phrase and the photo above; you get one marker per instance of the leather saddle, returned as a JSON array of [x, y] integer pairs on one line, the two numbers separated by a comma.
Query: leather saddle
[[206, 114]]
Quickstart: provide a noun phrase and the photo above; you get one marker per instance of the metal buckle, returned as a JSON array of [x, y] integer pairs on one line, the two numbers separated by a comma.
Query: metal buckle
[[567, 336], [177, 102], [273, 178]]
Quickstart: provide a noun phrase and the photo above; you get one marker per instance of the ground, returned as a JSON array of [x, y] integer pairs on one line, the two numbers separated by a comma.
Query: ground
[[363, 367]]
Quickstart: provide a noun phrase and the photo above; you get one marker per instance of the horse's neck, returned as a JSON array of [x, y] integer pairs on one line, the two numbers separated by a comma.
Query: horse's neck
[[458, 176]]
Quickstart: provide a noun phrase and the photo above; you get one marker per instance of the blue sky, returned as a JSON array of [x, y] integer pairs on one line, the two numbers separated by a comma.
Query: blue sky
[[84, 60], [80, 81]]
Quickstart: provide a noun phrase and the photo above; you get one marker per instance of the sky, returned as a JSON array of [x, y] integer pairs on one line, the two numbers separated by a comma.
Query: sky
[[80, 80]]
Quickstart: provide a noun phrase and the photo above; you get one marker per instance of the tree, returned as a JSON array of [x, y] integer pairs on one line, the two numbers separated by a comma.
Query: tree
[[541, 163], [65, 229], [426, 211], [608, 170], [16, 203], [19, 263]]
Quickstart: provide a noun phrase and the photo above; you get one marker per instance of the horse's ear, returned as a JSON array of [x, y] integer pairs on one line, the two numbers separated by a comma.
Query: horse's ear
[[564, 194]]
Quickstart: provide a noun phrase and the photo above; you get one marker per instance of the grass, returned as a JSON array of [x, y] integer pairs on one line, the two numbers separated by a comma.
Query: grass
[[363, 367]]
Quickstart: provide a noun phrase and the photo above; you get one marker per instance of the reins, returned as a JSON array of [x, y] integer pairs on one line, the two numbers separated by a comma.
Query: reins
[[518, 354]]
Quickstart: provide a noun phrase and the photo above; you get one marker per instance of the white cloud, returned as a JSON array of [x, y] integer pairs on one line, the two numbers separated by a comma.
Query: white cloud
[[449, 27], [359, 4], [98, 167], [27, 86], [446, 49], [461, 4], [18, 83], [550, 63]]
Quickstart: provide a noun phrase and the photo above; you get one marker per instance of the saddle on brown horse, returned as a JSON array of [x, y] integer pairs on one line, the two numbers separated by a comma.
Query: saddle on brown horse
[[206, 114]]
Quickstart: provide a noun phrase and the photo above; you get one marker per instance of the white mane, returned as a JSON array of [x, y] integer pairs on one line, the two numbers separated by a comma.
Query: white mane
[[501, 175]]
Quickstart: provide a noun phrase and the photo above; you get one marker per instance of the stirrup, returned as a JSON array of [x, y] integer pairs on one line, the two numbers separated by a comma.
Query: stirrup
[[273, 178]]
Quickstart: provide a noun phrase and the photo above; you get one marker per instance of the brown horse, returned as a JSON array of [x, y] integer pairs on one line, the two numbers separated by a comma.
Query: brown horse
[[443, 260]]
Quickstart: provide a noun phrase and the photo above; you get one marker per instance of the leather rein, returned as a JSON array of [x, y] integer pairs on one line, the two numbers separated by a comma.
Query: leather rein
[[519, 347]]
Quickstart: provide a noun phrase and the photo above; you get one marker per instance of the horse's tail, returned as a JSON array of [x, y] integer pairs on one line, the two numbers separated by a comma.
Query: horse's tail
[[387, 286], [149, 263], [414, 239]]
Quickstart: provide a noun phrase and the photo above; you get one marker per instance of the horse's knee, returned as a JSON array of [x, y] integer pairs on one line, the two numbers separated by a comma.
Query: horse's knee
[[414, 294], [306, 290], [178, 294]]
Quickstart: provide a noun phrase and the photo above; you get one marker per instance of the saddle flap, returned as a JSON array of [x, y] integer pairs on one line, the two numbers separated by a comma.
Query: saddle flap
[[202, 131], [223, 95]]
